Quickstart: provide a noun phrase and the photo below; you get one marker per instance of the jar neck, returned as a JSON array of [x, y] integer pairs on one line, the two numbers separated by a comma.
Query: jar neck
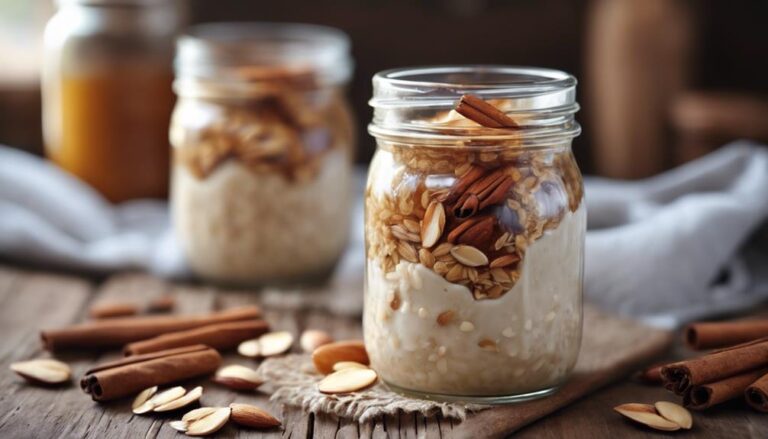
[[417, 105], [124, 16]]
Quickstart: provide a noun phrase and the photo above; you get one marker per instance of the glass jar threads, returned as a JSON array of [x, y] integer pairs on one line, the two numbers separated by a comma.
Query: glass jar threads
[[263, 141], [474, 226]]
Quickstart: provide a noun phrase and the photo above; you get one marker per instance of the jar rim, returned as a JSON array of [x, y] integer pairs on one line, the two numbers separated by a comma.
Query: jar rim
[[215, 52], [411, 102]]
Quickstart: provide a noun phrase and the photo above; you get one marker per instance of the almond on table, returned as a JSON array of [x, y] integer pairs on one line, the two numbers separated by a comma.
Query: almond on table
[[327, 355], [44, 371]]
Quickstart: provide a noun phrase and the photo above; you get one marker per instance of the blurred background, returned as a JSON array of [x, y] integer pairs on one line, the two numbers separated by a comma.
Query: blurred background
[[661, 81]]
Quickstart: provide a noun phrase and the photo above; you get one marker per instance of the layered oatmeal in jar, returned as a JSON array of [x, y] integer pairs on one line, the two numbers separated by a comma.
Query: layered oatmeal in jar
[[262, 138], [475, 227]]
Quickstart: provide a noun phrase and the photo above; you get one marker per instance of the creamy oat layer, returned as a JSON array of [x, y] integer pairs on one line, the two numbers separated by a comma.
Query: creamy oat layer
[[439, 339], [241, 226]]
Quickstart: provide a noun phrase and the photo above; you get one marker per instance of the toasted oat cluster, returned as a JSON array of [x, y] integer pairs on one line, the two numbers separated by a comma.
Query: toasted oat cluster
[[288, 131], [468, 215]]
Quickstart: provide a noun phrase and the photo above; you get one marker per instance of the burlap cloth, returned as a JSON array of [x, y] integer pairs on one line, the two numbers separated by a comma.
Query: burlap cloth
[[611, 348]]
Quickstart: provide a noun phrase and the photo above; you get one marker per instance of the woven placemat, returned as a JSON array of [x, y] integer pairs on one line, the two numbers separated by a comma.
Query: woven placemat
[[611, 348]]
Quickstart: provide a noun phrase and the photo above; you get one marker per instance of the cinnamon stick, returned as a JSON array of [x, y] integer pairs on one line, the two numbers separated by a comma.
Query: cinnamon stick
[[131, 375], [712, 335], [476, 109], [119, 331], [113, 309], [681, 376], [650, 375], [219, 336], [704, 396], [757, 394]]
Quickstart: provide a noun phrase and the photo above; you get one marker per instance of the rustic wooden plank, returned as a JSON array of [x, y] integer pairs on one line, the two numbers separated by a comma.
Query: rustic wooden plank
[[379, 429], [29, 300], [325, 426], [296, 423], [392, 426]]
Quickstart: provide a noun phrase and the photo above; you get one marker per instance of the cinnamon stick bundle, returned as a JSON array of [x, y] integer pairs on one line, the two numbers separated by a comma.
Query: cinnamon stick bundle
[[712, 335], [703, 396], [681, 376], [119, 331], [219, 336], [131, 375], [757, 394]]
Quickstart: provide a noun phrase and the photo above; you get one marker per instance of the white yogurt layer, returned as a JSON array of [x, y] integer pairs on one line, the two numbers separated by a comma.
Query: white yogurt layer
[[524, 341], [240, 227]]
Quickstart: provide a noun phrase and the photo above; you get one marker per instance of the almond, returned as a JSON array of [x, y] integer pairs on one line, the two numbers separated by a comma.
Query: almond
[[469, 256], [348, 364], [275, 343], [238, 377], [327, 355], [251, 416], [503, 261], [312, 339], [143, 397], [210, 423], [249, 348], [179, 425], [347, 380], [43, 371], [646, 414], [675, 413], [433, 224], [159, 399], [188, 398], [199, 413]]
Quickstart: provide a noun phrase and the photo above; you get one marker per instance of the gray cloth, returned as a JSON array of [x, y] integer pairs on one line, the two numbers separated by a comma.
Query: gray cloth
[[655, 249]]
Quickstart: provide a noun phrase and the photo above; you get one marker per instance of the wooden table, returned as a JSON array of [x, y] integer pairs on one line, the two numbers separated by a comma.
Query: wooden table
[[30, 300]]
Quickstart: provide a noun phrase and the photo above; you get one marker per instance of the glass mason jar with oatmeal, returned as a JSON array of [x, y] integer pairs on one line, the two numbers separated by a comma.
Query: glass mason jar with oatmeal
[[262, 161], [474, 223]]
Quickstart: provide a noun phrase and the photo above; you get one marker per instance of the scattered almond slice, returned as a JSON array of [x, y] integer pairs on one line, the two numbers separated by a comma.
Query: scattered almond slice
[[159, 399], [275, 343], [347, 380], [433, 224], [646, 414], [348, 364], [43, 371], [327, 355], [251, 416], [312, 339], [210, 423], [143, 397], [198, 413], [238, 377], [188, 398], [179, 425], [249, 348], [675, 413]]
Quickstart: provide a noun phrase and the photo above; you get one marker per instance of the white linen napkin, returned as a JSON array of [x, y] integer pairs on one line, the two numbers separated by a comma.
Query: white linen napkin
[[667, 249]]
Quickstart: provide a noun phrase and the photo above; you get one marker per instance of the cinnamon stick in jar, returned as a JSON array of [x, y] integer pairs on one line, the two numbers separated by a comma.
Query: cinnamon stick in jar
[[131, 375], [220, 336], [713, 335], [680, 377], [117, 332]]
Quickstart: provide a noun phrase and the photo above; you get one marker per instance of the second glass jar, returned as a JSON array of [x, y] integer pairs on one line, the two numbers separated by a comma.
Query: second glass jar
[[263, 141]]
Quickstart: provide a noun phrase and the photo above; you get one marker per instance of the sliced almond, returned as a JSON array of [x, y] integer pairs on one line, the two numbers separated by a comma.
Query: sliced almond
[[348, 364], [503, 261], [675, 413], [646, 414], [275, 343], [469, 256], [209, 424], [179, 425], [433, 224], [251, 416], [327, 355], [143, 397], [159, 399], [238, 377], [188, 398], [347, 380], [312, 339], [199, 413], [249, 348], [43, 371]]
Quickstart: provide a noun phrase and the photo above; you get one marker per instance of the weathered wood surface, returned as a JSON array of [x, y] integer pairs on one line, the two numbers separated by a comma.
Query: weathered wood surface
[[32, 300]]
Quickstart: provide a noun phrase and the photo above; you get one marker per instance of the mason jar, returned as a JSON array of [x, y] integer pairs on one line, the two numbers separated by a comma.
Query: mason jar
[[474, 227], [262, 162], [107, 97]]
